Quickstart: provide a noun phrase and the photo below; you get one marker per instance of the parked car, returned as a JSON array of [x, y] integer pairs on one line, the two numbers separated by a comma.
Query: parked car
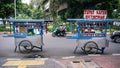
[[1, 22], [116, 36]]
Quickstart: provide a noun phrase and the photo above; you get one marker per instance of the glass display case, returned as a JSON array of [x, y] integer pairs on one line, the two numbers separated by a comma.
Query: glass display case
[[23, 29]]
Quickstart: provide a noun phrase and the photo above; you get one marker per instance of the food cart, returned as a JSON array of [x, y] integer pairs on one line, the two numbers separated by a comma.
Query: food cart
[[28, 34], [91, 34]]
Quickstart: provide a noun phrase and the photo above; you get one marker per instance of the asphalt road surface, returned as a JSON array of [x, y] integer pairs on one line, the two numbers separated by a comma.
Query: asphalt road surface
[[54, 47]]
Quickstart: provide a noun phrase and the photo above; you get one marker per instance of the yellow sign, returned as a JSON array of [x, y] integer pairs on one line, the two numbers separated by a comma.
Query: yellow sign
[[23, 63]]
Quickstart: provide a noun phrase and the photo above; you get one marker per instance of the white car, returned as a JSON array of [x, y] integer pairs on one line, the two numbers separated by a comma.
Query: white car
[[1, 22]]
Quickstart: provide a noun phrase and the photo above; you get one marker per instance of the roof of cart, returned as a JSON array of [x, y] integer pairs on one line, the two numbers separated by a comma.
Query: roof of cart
[[91, 20]]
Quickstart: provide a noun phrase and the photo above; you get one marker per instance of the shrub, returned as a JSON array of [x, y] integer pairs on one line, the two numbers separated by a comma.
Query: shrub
[[2, 26], [51, 28], [4, 29]]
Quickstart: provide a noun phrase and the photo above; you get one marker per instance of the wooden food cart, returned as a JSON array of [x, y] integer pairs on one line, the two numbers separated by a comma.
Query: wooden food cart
[[28, 34], [91, 34]]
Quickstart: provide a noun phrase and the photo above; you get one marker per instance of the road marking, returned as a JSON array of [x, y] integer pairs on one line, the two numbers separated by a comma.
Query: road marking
[[21, 66], [68, 57], [94, 55], [41, 58], [8, 59], [23, 63], [59, 63], [115, 54]]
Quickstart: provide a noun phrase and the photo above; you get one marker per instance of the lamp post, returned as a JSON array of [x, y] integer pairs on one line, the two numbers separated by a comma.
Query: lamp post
[[15, 8]]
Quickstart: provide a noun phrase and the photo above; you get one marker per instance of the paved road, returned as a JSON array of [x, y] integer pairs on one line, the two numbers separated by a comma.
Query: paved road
[[54, 47], [60, 53]]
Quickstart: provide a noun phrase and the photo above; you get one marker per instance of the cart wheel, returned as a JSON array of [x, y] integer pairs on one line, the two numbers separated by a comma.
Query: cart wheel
[[25, 46], [90, 47]]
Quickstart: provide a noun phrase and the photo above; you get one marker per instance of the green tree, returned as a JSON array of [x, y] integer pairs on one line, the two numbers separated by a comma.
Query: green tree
[[109, 6], [76, 7], [24, 12], [38, 14], [54, 5], [6, 8], [36, 9], [119, 10]]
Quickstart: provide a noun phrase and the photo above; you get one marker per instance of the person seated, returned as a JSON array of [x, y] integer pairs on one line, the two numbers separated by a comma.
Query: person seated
[[61, 29]]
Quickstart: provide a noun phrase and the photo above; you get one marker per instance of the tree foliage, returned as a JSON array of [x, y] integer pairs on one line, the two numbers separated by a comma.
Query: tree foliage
[[6, 8], [54, 5], [76, 7], [23, 11], [36, 9]]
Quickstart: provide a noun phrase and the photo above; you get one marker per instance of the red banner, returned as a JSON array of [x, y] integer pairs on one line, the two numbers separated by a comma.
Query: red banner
[[95, 14]]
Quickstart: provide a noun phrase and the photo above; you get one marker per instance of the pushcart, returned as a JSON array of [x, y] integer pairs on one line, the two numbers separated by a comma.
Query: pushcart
[[28, 34], [90, 35]]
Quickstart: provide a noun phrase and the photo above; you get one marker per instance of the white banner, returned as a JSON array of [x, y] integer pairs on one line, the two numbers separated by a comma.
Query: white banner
[[95, 14]]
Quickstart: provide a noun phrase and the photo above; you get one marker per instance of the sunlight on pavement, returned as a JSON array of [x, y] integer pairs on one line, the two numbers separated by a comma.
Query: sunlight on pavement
[[23, 63]]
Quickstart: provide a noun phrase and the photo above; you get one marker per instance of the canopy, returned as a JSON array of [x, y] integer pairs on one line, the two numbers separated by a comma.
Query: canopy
[[91, 20]]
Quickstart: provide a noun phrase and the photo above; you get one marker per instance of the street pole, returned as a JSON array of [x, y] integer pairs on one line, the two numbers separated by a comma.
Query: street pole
[[15, 16], [15, 8]]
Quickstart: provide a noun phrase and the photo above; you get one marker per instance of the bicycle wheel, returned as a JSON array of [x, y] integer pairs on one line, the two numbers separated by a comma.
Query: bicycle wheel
[[90, 47], [25, 46]]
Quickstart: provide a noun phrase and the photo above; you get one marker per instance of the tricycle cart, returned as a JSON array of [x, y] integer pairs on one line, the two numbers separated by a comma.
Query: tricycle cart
[[28, 34], [91, 35]]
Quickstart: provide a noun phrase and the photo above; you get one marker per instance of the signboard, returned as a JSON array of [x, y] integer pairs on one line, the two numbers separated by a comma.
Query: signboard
[[95, 14]]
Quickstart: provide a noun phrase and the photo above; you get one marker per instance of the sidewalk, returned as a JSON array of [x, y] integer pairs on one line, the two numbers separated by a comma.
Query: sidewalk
[[105, 61], [64, 62], [5, 33]]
